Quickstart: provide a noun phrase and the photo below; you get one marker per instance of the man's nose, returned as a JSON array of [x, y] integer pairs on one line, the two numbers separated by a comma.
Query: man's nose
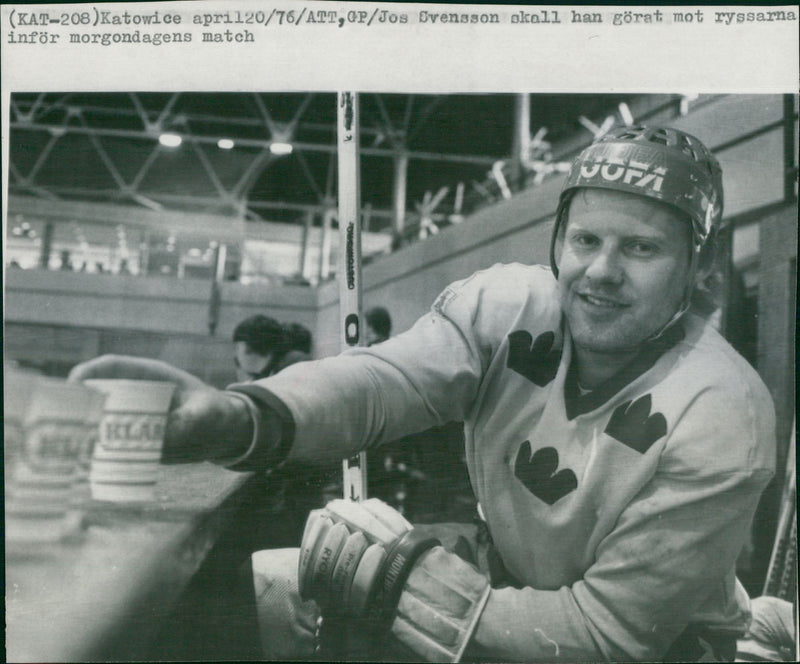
[[605, 265]]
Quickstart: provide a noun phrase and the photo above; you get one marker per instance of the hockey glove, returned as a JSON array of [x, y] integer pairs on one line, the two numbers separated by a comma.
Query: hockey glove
[[364, 561]]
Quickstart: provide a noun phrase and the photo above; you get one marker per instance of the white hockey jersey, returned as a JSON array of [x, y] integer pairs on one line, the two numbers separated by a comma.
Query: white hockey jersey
[[621, 511]]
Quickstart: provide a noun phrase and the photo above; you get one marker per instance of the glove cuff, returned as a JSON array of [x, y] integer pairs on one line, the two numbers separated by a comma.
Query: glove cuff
[[271, 444], [440, 606], [397, 566]]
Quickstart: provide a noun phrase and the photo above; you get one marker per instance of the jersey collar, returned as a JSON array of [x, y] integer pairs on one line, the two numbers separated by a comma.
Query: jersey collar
[[577, 404]]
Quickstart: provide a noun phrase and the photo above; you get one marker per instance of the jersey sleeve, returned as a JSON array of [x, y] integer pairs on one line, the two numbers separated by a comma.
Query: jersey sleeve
[[424, 377], [673, 547]]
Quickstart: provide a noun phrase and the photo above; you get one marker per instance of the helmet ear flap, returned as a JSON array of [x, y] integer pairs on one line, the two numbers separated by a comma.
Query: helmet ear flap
[[706, 257]]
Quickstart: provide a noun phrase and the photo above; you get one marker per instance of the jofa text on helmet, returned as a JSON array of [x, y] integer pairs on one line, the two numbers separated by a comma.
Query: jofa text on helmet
[[632, 172]]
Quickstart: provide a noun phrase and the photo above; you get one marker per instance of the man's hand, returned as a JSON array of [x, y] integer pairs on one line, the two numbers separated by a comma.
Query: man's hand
[[346, 557], [206, 424], [134, 368], [203, 423], [364, 561]]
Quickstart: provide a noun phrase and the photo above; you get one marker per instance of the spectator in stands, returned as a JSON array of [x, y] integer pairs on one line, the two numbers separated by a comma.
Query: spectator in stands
[[124, 268], [379, 325], [66, 261], [262, 347], [299, 338]]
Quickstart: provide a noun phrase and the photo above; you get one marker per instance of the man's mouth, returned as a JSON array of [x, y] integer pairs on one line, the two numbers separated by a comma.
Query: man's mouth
[[600, 301]]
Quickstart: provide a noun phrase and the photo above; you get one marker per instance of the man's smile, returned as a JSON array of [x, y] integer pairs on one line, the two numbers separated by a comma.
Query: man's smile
[[601, 301]]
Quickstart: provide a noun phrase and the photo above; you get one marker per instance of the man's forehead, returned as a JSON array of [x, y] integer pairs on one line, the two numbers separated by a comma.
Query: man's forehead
[[600, 200]]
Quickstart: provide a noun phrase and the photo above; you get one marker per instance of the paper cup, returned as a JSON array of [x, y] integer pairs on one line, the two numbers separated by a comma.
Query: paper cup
[[17, 391], [128, 452], [39, 487], [81, 491]]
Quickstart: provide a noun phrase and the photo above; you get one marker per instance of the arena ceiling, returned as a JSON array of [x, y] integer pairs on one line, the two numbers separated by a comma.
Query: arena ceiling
[[106, 147]]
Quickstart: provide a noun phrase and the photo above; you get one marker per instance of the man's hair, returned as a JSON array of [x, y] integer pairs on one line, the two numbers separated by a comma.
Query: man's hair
[[262, 334], [298, 337], [380, 321]]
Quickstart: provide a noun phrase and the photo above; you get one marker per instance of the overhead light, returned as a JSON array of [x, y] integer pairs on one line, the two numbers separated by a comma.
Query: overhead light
[[279, 148], [225, 144], [170, 140]]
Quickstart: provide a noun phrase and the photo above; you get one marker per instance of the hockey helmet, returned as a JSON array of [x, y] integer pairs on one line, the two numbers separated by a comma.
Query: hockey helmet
[[666, 164]]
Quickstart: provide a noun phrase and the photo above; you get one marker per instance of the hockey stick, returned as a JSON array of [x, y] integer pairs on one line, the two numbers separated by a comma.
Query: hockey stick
[[350, 309]]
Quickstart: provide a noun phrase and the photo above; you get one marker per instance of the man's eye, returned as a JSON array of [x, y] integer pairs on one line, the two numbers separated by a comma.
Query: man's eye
[[642, 249], [584, 241]]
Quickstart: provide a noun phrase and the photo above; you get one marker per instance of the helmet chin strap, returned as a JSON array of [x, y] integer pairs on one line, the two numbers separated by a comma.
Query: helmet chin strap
[[560, 212]]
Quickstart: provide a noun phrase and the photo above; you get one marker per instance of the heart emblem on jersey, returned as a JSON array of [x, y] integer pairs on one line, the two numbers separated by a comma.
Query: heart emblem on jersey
[[540, 475], [536, 361], [633, 425]]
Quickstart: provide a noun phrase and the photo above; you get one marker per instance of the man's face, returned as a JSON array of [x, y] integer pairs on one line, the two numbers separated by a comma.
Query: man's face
[[248, 363], [623, 265]]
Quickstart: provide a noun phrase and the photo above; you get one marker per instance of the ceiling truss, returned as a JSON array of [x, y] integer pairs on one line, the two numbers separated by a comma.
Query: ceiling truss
[[60, 116]]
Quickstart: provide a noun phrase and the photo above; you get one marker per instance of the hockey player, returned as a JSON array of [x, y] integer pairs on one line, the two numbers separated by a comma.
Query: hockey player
[[617, 445]]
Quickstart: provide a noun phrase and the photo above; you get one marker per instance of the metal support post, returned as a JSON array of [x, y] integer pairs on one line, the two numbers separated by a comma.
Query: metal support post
[[522, 138], [350, 306], [399, 194], [305, 244]]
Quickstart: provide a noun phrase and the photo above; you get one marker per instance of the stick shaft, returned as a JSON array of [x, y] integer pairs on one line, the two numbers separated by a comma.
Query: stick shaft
[[350, 306]]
